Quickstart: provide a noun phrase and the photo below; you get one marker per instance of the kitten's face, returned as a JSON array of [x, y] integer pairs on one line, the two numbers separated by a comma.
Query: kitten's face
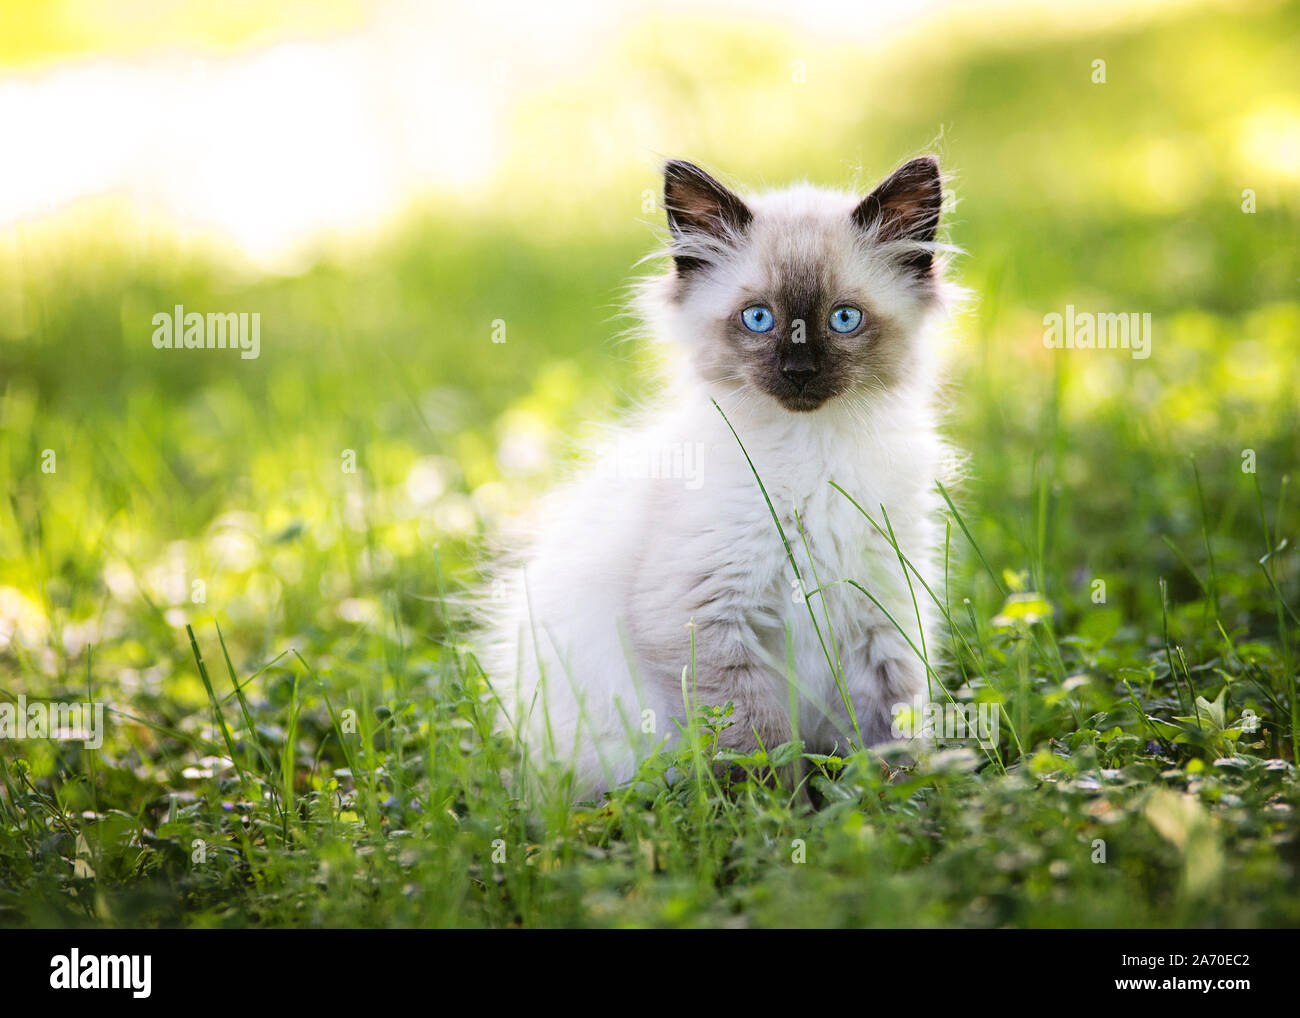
[[804, 295]]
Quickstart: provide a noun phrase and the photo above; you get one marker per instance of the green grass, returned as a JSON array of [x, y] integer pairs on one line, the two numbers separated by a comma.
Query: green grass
[[311, 743]]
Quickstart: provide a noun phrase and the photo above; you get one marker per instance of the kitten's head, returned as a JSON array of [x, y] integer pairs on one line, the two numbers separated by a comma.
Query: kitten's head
[[803, 294]]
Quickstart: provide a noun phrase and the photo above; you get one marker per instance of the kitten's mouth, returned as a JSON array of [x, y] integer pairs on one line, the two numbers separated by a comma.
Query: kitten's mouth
[[801, 402]]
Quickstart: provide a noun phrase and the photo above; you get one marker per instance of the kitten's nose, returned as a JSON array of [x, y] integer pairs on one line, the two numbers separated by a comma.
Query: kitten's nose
[[799, 376]]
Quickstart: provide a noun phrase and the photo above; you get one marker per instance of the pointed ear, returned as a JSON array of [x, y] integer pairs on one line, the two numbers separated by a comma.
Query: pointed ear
[[702, 209], [906, 207]]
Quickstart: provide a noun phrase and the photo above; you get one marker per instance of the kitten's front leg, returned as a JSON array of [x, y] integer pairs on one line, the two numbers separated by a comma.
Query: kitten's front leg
[[889, 676], [727, 670], [724, 582]]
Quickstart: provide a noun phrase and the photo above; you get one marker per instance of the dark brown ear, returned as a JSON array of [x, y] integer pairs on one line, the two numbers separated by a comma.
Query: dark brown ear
[[698, 206], [906, 207]]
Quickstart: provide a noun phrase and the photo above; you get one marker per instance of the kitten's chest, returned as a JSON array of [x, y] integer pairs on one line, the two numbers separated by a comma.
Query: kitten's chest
[[831, 538], [838, 532]]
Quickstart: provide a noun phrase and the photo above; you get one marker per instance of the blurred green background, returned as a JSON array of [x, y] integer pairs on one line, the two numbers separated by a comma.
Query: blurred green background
[[522, 190]]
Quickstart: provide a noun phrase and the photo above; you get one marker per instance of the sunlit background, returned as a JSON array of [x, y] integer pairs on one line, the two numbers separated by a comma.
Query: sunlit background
[[274, 127]]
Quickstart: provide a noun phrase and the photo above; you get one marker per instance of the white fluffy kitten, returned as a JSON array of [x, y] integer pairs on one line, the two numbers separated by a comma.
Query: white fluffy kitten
[[805, 314]]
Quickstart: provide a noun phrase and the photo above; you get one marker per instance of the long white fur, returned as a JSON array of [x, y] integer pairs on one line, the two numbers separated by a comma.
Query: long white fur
[[587, 641]]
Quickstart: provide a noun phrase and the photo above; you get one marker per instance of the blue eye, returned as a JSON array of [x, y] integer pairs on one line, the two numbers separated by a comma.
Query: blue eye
[[758, 318], [845, 319]]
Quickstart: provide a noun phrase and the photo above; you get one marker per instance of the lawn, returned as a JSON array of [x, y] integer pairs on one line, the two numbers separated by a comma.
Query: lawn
[[257, 565]]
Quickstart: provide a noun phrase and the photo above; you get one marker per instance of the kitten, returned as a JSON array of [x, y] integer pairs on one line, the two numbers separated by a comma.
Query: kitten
[[806, 315]]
